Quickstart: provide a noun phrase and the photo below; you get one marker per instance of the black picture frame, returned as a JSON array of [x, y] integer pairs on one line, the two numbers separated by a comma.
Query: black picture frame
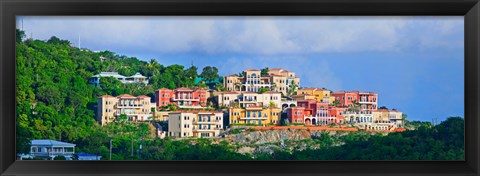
[[470, 9]]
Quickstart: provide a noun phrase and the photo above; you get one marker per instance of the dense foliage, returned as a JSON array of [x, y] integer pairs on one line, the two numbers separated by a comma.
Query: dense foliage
[[54, 99], [442, 142]]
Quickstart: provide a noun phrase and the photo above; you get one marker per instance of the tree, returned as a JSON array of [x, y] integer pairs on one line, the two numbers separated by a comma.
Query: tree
[[271, 104], [336, 103], [263, 90], [383, 107], [292, 88], [56, 40], [209, 73], [264, 72], [19, 35]]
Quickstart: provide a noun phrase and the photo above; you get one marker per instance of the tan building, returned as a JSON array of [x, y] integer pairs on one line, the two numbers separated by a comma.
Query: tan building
[[391, 117], [255, 115], [289, 75], [301, 97], [195, 124], [278, 80], [321, 95], [227, 99], [136, 108]]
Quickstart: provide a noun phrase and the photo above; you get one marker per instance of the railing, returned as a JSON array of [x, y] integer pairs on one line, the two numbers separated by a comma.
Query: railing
[[141, 113], [185, 99], [129, 106], [254, 118], [206, 129], [206, 122], [367, 101]]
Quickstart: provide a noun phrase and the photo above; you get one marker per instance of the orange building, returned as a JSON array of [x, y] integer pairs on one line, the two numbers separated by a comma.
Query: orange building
[[296, 114], [367, 100], [182, 97]]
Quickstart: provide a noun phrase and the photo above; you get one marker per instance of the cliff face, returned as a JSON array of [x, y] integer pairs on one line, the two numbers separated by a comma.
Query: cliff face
[[267, 141]]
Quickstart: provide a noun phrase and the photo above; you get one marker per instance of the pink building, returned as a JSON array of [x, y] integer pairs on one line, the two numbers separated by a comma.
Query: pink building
[[182, 97]]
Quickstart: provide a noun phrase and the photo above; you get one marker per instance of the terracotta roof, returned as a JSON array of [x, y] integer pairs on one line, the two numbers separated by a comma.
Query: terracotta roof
[[249, 92], [199, 88], [106, 96], [229, 93], [183, 89], [143, 96], [164, 89], [271, 92], [301, 95], [126, 96], [385, 110], [231, 75]]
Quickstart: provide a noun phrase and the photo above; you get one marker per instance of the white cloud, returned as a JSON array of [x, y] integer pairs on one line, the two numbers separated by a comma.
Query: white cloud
[[253, 35]]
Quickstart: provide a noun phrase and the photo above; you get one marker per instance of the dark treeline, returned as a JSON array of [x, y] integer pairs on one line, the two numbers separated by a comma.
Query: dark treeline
[[441, 142], [55, 101]]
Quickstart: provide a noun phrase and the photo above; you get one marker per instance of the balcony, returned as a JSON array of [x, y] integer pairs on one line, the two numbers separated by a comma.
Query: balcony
[[205, 129], [206, 122], [185, 99], [129, 106], [254, 118], [367, 101], [133, 114]]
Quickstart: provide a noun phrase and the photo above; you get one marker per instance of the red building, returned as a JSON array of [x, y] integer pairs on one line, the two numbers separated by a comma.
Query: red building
[[296, 114], [367, 100], [163, 97], [182, 97], [337, 112]]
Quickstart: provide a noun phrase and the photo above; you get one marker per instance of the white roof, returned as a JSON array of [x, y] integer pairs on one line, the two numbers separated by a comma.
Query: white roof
[[108, 74], [51, 142], [137, 75]]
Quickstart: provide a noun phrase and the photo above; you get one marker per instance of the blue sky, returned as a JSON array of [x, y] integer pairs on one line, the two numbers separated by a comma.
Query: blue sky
[[415, 64]]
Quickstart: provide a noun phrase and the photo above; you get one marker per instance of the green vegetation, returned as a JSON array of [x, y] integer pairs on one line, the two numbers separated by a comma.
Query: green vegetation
[[442, 142], [55, 101]]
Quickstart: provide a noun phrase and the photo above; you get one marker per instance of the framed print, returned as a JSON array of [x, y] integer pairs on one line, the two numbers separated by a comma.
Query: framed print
[[252, 87]]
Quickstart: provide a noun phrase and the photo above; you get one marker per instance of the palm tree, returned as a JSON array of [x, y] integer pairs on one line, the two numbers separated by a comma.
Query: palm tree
[[271, 104]]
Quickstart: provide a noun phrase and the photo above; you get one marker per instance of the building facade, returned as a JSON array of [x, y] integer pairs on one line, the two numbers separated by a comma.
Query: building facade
[[278, 80], [49, 149], [255, 115], [368, 100], [195, 124], [246, 99], [136, 108], [319, 94], [182, 97]]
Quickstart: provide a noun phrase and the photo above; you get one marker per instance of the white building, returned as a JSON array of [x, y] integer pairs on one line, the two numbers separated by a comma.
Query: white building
[[49, 149], [246, 99], [137, 78], [195, 123]]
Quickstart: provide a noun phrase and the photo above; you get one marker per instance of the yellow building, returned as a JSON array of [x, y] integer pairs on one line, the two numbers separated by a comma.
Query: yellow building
[[255, 115], [321, 95], [136, 108]]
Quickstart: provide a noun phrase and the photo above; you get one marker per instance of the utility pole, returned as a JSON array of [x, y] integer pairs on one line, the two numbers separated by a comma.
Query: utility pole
[[110, 148]]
